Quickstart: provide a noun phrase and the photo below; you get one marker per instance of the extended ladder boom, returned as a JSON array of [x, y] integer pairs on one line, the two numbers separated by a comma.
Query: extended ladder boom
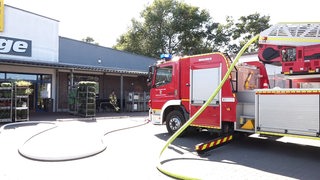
[[292, 34]]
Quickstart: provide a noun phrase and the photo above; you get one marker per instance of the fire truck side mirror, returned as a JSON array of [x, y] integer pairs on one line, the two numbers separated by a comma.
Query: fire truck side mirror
[[150, 75]]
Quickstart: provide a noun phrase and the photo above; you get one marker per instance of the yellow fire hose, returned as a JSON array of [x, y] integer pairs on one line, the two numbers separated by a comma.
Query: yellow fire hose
[[203, 107]]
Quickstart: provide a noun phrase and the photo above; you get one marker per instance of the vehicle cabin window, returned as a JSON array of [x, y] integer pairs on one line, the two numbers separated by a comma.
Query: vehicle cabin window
[[163, 76]]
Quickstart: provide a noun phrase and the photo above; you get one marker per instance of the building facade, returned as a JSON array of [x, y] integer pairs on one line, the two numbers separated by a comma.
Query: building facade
[[32, 50]]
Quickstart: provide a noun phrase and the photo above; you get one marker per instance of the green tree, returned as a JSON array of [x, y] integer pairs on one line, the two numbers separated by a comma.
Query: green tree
[[89, 40], [133, 40], [218, 36], [168, 26], [244, 29]]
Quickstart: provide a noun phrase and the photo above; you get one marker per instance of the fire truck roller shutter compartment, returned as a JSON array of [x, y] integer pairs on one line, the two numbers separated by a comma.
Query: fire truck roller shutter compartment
[[204, 82], [288, 112]]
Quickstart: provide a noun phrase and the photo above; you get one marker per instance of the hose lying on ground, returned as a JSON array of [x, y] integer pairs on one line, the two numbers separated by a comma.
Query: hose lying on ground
[[203, 107], [54, 126]]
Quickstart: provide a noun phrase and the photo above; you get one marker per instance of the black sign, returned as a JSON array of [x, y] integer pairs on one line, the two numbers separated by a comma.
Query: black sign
[[13, 46]]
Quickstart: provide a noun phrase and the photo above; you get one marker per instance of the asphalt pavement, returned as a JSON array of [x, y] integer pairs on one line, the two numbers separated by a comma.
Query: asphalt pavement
[[125, 146]]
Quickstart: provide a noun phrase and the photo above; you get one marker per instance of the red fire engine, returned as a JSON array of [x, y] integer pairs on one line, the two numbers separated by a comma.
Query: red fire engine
[[246, 102]]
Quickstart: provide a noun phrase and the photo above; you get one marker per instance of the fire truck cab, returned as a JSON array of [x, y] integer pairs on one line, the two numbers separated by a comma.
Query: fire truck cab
[[179, 87]]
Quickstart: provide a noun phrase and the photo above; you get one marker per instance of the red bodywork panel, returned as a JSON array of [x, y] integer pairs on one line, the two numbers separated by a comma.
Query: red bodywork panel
[[294, 60]]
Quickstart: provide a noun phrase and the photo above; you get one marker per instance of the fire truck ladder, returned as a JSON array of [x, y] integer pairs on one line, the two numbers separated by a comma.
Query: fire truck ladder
[[233, 75], [292, 34]]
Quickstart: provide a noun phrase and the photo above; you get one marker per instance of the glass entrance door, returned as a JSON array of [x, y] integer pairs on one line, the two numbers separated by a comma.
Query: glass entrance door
[[43, 93]]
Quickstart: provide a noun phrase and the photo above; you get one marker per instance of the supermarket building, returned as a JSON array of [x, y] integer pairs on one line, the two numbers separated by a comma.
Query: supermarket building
[[32, 50]]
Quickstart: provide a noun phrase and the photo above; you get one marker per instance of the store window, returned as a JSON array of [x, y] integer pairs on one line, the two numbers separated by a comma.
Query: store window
[[41, 86], [2, 76], [16, 76]]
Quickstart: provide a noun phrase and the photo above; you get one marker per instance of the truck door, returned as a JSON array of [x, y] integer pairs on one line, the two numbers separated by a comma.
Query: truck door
[[205, 78], [163, 88]]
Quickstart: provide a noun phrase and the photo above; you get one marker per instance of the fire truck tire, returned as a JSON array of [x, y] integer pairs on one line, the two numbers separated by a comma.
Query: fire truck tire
[[174, 121]]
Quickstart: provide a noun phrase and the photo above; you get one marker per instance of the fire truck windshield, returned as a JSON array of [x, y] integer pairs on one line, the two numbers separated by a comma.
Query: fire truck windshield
[[163, 76]]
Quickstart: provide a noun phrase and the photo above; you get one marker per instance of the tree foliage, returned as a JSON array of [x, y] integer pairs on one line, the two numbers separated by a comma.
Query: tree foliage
[[171, 26], [244, 29], [89, 40], [133, 40]]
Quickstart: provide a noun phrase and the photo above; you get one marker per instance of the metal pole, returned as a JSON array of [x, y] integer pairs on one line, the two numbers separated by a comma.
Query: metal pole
[[57, 84], [71, 79], [121, 93]]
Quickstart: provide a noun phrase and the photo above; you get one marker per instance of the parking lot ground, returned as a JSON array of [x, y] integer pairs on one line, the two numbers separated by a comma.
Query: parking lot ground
[[132, 147]]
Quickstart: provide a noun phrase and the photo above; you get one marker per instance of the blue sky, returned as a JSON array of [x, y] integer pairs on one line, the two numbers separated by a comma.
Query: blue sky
[[105, 21]]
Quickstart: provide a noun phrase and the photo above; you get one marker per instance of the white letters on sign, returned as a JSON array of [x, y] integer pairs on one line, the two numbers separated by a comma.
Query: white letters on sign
[[14, 46]]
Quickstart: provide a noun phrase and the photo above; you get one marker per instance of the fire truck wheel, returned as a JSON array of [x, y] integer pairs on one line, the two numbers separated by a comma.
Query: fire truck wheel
[[174, 121]]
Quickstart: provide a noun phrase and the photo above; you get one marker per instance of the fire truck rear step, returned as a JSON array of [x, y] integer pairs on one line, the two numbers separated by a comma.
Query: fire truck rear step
[[210, 145]]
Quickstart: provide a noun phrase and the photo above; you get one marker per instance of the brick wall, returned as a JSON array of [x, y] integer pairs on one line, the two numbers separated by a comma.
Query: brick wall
[[63, 91]]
